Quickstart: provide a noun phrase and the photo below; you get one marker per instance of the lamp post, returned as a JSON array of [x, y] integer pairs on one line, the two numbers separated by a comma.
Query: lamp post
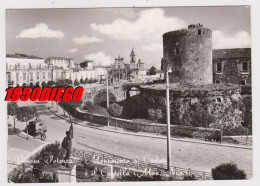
[[107, 99], [107, 92], [168, 70]]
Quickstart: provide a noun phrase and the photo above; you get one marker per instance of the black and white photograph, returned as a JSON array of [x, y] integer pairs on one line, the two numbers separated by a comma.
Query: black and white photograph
[[166, 94]]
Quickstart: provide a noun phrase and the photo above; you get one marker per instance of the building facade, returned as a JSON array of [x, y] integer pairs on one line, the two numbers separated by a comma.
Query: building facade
[[60, 62], [232, 66], [24, 70]]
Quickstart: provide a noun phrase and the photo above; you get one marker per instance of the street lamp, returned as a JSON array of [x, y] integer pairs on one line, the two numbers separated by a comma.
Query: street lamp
[[107, 99], [168, 70]]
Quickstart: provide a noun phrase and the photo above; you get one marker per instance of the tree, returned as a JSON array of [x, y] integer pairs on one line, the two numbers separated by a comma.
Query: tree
[[50, 83], [199, 117], [227, 171], [44, 84], [90, 108], [12, 110], [84, 64], [85, 82], [90, 81], [37, 84], [31, 84], [152, 70], [115, 110], [26, 113], [81, 81], [76, 82], [24, 85], [68, 82]]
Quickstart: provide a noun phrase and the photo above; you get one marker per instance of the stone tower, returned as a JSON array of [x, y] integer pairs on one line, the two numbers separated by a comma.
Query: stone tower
[[189, 52]]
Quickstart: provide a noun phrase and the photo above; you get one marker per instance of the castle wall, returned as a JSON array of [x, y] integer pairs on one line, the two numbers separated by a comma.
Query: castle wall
[[228, 106]]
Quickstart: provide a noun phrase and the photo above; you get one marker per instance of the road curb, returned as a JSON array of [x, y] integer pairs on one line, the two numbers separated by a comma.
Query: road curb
[[153, 136]]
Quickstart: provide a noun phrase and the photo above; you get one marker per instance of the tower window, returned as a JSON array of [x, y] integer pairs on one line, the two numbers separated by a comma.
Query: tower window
[[199, 32], [217, 81], [177, 51], [219, 68]]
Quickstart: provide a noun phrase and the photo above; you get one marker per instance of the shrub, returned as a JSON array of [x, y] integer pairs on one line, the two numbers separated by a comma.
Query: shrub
[[240, 130], [189, 177], [89, 107], [26, 177], [227, 171], [155, 114], [200, 117], [115, 110]]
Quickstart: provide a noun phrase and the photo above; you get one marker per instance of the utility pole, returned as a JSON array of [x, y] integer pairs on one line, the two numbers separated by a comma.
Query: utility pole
[[168, 119]]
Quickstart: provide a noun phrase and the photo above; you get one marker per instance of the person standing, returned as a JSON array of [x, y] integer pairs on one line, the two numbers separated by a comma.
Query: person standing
[[67, 144]]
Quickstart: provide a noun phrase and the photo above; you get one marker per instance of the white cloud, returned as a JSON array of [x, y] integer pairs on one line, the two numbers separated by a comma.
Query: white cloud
[[40, 30], [85, 39], [73, 50], [99, 58], [150, 24], [240, 39], [152, 47], [125, 12]]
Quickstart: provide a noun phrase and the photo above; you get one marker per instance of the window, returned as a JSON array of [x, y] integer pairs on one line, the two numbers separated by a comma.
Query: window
[[31, 76], [17, 76], [199, 32], [43, 75], [24, 76], [219, 100], [30, 66], [245, 66], [38, 75], [242, 82], [49, 74], [177, 51], [219, 67], [217, 81]]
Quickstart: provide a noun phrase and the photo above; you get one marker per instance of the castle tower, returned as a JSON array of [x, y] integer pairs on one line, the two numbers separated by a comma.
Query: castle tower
[[189, 52]]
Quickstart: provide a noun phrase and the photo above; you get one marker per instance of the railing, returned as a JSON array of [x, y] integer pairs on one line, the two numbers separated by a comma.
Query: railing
[[136, 164]]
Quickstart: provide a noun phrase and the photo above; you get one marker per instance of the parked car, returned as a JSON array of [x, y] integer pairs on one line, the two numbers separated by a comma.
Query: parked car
[[35, 127]]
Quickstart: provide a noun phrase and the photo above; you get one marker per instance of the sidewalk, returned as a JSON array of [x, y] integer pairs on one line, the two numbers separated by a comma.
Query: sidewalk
[[20, 149], [60, 114]]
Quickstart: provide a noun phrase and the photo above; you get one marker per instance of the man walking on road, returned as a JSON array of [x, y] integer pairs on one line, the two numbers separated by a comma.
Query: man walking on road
[[66, 144]]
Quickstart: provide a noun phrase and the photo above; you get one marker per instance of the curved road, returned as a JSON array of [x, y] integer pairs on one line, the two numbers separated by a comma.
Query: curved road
[[201, 157]]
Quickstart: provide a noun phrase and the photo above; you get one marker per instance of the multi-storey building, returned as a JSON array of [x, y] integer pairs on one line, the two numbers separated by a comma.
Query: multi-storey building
[[22, 70], [60, 62], [232, 66]]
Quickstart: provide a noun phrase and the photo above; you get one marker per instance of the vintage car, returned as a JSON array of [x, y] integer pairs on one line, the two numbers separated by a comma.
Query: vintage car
[[36, 127]]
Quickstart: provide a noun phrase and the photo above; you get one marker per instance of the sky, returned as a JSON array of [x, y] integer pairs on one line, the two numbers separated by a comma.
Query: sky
[[102, 34]]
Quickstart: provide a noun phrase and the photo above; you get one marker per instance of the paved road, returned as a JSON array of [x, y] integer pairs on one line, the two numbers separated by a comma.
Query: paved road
[[201, 157]]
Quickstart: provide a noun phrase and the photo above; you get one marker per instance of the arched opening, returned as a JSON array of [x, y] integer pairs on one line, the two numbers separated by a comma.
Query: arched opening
[[133, 91]]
